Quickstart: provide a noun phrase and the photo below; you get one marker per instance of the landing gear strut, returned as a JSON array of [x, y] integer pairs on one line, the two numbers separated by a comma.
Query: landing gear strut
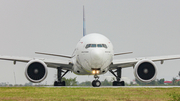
[[60, 76], [118, 78], [96, 82]]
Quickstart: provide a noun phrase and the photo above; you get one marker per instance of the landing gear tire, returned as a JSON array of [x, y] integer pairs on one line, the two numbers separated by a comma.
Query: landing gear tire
[[57, 83], [96, 83], [116, 83]]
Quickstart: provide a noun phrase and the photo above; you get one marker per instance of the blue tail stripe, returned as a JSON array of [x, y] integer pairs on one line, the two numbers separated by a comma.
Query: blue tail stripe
[[84, 27]]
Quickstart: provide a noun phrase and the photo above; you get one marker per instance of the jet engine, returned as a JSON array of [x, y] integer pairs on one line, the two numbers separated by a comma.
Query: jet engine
[[36, 71], [145, 71]]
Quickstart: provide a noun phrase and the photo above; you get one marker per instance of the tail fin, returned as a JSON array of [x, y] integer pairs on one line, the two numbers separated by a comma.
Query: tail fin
[[84, 28]]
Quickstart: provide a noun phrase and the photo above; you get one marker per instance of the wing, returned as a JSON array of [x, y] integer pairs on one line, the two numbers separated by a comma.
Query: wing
[[131, 62], [64, 64]]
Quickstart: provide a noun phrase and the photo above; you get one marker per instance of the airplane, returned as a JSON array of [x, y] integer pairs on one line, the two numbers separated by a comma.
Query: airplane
[[93, 55]]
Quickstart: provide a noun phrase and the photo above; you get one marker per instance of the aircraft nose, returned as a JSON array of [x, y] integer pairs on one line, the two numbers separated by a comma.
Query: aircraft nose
[[97, 58], [96, 54]]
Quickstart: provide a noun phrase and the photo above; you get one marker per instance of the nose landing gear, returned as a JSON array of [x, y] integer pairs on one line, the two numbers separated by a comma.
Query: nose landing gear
[[96, 82]]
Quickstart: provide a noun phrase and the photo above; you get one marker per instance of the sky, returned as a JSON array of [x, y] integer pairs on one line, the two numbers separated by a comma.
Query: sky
[[147, 28]]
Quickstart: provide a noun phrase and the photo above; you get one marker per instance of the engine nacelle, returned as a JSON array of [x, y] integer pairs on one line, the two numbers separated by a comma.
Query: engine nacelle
[[145, 71], [36, 71]]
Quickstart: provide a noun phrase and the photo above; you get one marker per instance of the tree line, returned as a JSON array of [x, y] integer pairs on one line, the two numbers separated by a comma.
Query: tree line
[[157, 82]]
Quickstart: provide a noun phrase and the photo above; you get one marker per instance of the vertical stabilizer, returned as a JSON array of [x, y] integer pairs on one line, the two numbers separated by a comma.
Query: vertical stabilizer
[[84, 28]]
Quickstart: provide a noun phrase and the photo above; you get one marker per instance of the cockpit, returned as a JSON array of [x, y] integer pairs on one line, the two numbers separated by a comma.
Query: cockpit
[[96, 45]]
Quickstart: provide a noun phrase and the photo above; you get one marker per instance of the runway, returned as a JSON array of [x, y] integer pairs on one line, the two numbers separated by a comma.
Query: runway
[[114, 86], [99, 87]]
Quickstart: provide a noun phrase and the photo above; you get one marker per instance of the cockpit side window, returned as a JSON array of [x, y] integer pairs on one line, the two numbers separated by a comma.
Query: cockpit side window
[[88, 45], [104, 45]]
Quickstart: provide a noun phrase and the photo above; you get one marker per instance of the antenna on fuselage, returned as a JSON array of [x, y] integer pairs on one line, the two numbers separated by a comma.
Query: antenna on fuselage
[[84, 28]]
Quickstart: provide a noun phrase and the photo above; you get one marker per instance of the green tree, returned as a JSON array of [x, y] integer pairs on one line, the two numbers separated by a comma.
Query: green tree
[[140, 83], [152, 83], [178, 83], [86, 83], [106, 83], [28, 84], [161, 81], [70, 81], [174, 81]]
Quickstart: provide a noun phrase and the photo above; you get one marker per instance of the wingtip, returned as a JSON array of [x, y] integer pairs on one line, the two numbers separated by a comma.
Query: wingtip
[[123, 53]]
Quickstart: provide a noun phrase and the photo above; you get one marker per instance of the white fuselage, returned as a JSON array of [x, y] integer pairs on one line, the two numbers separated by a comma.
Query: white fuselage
[[93, 52]]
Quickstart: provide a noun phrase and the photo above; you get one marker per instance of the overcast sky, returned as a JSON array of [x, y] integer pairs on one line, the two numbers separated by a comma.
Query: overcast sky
[[148, 28]]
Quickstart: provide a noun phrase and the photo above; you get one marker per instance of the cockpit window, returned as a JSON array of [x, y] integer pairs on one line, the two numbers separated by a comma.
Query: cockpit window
[[99, 45], [96, 45], [93, 45], [88, 45], [104, 45]]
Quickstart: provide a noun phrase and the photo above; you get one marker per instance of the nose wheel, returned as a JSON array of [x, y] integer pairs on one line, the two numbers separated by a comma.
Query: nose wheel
[[96, 82]]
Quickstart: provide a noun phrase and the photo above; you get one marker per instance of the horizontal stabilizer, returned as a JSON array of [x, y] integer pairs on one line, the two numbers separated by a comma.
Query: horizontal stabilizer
[[123, 53], [53, 54]]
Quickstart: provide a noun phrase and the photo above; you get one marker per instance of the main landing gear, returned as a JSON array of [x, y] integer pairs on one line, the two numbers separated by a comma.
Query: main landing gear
[[60, 76], [96, 82], [118, 77]]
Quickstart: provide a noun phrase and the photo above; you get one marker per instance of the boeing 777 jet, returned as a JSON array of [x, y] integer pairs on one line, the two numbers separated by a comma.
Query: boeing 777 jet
[[93, 55]]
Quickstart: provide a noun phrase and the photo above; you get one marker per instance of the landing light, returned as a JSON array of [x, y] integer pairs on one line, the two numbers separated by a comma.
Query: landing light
[[95, 71]]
